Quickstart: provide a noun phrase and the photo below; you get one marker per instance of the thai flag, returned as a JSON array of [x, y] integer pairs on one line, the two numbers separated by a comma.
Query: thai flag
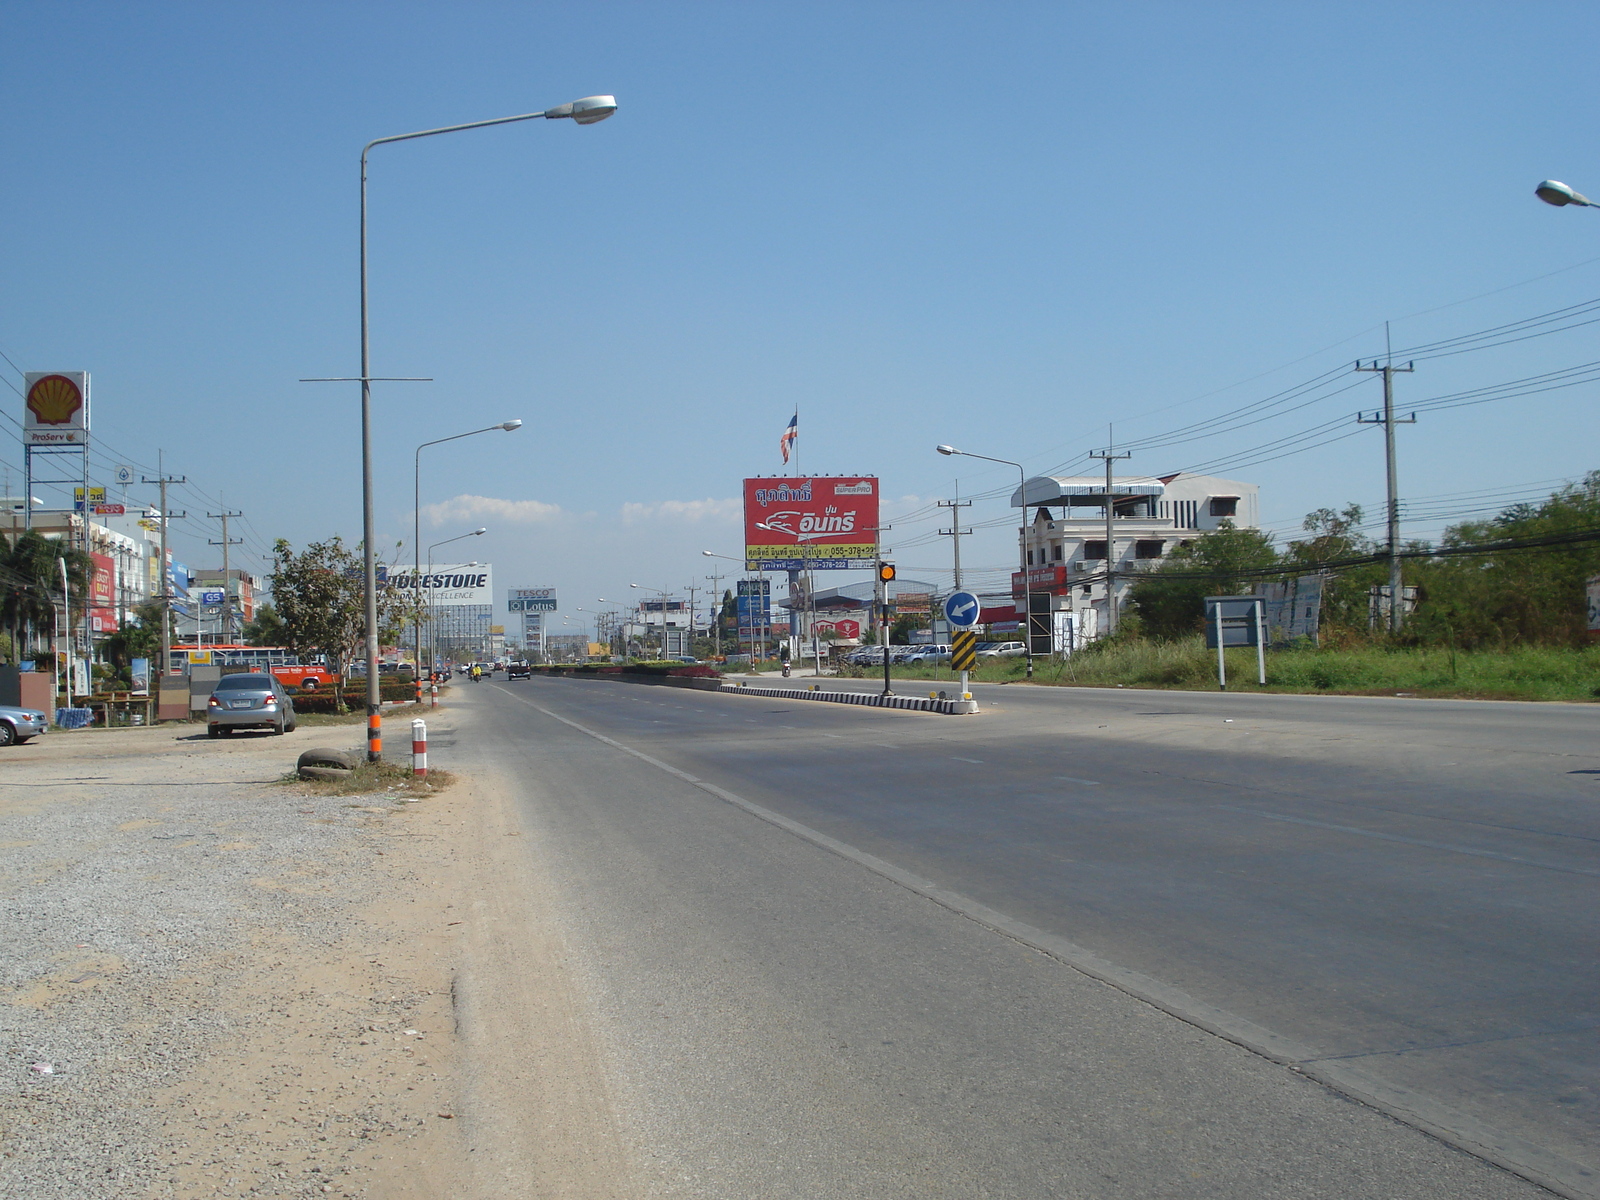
[[789, 435]]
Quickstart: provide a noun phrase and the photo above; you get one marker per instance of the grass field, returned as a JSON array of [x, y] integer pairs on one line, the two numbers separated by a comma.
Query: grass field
[[1528, 674]]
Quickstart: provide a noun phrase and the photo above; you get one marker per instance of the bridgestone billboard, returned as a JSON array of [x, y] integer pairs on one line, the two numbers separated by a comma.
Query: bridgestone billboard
[[466, 583]]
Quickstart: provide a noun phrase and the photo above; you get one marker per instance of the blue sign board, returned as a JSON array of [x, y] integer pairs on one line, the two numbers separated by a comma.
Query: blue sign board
[[961, 609]]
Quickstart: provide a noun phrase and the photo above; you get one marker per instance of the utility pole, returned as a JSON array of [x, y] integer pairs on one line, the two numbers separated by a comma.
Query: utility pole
[[1388, 420], [227, 591], [1111, 545], [716, 611], [162, 478], [691, 588], [955, 532]]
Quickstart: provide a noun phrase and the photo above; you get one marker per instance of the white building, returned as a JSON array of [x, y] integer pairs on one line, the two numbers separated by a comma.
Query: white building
[[1065, 543]]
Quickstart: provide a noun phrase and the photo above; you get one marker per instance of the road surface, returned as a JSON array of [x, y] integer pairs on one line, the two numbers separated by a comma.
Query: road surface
[[1087, 943]]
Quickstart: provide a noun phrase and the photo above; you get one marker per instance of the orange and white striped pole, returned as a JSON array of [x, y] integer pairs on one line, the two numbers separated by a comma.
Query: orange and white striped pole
[[419, 748], [374, 736]]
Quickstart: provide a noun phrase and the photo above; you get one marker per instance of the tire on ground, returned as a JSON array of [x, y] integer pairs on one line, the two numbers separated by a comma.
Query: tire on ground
[[329, 774], [323, 763]]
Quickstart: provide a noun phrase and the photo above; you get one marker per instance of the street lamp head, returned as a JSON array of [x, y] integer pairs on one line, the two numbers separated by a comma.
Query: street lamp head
[[1553, 191], [584, 112], [508, 426], [947, 449], [708, 554], [480, 531]]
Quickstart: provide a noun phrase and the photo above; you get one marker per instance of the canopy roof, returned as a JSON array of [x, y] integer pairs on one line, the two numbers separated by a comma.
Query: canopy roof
[[1084, 490]]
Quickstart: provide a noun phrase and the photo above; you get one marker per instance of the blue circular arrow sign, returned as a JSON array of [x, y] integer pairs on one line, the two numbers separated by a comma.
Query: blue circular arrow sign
[[961, 609]]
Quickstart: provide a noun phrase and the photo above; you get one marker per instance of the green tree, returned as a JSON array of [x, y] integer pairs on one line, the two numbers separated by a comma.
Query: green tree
[[30, 585], [1335, 536], [1169, 601], [266, 628], [139, 637], [320, 602], [1534, 596]]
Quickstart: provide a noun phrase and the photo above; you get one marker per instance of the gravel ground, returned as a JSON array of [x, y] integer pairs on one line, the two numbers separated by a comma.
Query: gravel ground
[[214, 983]]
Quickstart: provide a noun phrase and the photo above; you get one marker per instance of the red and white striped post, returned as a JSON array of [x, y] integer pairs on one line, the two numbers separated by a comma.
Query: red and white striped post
[[435, 695], [419, 749]]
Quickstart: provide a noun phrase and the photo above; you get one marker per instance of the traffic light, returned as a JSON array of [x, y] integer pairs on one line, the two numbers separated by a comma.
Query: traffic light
[[885, 572]]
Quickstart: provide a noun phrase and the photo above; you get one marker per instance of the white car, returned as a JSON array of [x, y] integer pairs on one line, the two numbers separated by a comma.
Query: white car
[[1001, 650], [929, 654]]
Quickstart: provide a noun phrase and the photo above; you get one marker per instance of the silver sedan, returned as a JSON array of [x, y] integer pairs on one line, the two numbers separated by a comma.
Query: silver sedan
[[249, 702], [17, 725]]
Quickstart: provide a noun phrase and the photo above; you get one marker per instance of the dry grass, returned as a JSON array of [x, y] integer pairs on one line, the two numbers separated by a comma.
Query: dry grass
[[367, 778]]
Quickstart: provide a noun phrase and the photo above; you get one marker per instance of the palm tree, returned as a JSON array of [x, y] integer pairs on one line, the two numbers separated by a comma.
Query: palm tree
[[30, 583]]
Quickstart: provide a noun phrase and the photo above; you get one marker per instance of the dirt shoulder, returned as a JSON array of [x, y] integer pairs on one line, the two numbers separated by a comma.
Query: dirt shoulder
[[213, 983]]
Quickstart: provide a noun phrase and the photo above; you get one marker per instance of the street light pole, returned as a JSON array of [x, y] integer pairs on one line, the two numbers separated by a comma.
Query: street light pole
[[663, 593], [586, 111], [433, 646], [1022, 552], [416, 522]]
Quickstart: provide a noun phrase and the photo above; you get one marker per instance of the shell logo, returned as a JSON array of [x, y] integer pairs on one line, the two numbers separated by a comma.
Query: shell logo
[[54, 400]]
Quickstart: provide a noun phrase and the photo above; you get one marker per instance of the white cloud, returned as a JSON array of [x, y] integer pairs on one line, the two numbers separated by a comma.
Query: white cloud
[[467, 507], [684, 511]]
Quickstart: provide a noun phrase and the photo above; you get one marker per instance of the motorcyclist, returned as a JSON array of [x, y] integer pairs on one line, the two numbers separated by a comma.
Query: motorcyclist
[[477, 673]]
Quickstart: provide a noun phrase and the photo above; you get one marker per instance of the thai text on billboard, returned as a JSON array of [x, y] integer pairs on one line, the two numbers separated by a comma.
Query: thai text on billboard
[[816, 523]]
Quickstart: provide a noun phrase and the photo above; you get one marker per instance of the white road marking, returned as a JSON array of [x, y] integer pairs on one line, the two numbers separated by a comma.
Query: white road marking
[[1075, 779]]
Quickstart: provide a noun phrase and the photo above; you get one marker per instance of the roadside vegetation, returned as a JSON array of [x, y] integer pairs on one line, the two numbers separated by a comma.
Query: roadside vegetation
[[1508, 622], [367, 778]]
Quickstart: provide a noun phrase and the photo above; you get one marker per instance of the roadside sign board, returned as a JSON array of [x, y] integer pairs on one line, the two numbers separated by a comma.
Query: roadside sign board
[[964, 650], [57, 412], [811, 523], [961, 609]]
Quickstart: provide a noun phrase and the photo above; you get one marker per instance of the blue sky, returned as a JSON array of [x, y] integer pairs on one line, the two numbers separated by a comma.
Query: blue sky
[[1006, 226]]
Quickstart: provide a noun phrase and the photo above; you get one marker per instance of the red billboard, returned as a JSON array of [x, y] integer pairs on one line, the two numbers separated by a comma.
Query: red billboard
[[102, 581], [102, 593], [815, 523]]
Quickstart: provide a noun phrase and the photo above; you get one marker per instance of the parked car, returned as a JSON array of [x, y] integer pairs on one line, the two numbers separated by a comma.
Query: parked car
[[17, 725], [1001, 650], [250, 701], [518, 670], [929, 654]]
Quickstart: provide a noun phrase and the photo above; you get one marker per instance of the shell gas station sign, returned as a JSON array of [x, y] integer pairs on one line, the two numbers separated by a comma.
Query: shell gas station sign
[[56, 409]]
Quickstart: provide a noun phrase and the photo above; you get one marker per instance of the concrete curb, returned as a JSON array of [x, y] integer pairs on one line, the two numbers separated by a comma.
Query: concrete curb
[[869, 699]]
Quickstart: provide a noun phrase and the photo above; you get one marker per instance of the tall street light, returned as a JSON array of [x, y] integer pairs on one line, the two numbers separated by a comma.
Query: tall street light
[[586, 111], [416, 517], [663, 592], [433, 648], [1553, 191], [761, 577], [1022, 553]]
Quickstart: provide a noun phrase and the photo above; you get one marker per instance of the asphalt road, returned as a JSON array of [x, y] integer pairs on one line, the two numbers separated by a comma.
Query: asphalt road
[[1391, 896]]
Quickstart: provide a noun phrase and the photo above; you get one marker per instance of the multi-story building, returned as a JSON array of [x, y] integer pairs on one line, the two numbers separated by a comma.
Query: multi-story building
[[223, 622], [1065, 547]]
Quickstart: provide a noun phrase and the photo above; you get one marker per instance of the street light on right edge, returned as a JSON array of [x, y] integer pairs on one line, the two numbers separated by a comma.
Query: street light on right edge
[[1022, 552], [1553, 191]]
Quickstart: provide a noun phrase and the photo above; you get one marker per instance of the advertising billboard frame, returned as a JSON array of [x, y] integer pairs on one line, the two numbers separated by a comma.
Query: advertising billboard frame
[[811, 523]]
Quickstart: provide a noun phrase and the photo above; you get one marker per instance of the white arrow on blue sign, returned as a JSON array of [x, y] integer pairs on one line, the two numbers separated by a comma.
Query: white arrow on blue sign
[[961, 609]]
